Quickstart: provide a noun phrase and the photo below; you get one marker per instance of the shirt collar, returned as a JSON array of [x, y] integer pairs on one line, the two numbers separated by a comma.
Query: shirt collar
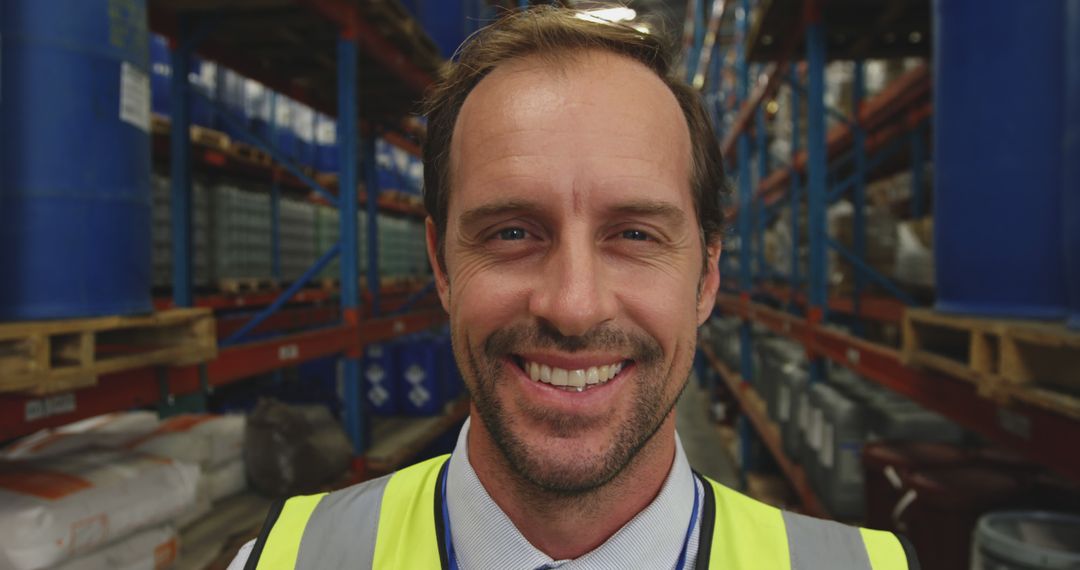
[[485, 537]]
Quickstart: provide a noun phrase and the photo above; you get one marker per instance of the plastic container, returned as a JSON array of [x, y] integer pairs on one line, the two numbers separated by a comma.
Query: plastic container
[[1026, 540], [160, 74], [1071, 199], [779, 358], [230, 94], [326, 147], [886, 465], [984, 151], [791, 406], [418, 361], [380, 373], [944, 506], [74, 217], [843, 434]]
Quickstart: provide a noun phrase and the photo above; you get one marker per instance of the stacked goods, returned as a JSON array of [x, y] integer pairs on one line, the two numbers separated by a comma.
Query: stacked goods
[[327, 232], [212, 442], [162, 232], [240, 233], [915, 253], [155, 548], [297, 235], [56, 509], [113, 431], [780, 358], [880, 242], [402, 250], [413, 375]]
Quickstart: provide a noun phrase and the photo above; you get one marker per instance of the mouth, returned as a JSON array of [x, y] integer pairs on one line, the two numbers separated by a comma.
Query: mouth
[[572, 380]]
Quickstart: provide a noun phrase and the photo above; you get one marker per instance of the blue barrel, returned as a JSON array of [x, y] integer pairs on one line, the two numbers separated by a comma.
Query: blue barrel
[[284, 137], [229, 93], [418, 365], [75, 173], [326, 147], [380, 377], [998, 114], [203, 78], [449, 374], [160, 72], [1072, 159]]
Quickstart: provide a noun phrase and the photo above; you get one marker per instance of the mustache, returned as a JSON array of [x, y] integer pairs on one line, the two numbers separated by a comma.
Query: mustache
[[510, 340]]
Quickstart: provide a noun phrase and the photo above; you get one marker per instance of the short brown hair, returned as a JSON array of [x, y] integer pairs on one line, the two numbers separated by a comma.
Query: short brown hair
[[553, 32]]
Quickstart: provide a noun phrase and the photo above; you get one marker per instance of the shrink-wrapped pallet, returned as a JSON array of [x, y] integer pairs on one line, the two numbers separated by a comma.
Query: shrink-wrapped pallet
[[151, 549], [109, 430], [56, 509]]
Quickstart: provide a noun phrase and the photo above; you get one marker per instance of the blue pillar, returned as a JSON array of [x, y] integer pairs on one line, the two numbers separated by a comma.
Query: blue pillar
[[796, 195], [858, 92], [347, 133], [763, 171], [816, 174], [746, 192], [180, 153]]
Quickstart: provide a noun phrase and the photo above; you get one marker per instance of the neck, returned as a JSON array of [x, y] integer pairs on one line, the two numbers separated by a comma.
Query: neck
[[567, 527]]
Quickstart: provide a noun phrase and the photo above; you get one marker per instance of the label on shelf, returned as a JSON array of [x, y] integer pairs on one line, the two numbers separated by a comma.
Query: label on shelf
[[51, 406], [134, 97], [288, 352]]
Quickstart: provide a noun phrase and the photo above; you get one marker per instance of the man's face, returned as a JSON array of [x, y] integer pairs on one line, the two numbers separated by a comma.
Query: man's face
[[573, 254]]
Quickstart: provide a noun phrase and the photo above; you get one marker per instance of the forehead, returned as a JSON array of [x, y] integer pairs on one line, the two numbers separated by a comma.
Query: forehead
[[592, 120]]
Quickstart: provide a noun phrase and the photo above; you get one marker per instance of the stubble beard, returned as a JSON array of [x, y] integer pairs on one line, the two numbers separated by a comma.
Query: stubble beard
[[539, 471]]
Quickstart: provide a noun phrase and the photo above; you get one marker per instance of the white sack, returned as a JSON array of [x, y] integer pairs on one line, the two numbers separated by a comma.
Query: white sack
[[58, 508], [152, 549]]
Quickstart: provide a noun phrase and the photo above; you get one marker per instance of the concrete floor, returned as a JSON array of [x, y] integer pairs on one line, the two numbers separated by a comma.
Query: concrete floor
[[700, 437]]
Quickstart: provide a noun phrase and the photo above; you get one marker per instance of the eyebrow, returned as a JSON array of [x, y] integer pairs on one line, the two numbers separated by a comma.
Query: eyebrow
[[495, 209], [665, 211]]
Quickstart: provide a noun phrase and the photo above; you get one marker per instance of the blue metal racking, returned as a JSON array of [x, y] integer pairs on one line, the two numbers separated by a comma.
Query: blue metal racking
[[792, 35]]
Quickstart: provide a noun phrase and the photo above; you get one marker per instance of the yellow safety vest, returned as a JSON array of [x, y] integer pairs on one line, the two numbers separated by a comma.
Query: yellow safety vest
[[341, 530]]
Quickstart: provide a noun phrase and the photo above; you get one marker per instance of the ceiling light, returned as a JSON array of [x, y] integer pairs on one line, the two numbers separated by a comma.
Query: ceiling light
[[608, 15]]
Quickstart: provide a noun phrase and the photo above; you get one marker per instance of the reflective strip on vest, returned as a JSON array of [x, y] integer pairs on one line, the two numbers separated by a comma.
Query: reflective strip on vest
[[406, 536], [344, 532], [283, 543]]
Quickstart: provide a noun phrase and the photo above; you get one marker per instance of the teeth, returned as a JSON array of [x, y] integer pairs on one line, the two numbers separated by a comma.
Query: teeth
[[576, 379]]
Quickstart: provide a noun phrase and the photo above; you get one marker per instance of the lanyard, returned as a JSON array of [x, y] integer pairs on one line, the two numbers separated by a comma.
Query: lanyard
[[448, 539]]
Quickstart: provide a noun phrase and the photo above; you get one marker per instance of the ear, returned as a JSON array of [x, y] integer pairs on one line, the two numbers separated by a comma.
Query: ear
[[710, 283], [442, 282]]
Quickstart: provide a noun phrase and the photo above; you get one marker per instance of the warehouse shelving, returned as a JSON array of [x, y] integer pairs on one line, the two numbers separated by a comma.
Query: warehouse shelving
[[364, 64], [753, 407], [886, 133]]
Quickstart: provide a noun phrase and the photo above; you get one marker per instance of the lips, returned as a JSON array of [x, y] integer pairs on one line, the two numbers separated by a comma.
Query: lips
[[578, 379]]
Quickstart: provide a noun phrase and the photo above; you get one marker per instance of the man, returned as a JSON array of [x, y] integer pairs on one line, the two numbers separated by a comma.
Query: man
[[573, 186]]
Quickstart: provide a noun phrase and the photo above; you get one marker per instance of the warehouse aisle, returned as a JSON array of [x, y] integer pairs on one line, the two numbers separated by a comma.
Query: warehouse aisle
[[700, 438]]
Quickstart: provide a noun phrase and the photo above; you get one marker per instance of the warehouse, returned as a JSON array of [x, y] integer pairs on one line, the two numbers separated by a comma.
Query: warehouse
[[228, 335]]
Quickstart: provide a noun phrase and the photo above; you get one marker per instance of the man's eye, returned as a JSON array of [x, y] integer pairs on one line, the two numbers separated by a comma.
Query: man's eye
[[636, 235], [511, 234]]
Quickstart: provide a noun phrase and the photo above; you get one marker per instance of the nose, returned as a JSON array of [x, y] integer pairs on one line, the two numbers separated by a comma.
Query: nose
[[573, 295]]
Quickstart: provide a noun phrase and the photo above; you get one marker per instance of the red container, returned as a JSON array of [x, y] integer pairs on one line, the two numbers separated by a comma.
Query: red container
[[886, 465], [943, 506]]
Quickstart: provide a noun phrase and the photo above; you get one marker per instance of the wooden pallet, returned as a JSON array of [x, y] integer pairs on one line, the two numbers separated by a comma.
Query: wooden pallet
[[249, 153], [44, 357], [993, 351], [237, 285], [210, 138]]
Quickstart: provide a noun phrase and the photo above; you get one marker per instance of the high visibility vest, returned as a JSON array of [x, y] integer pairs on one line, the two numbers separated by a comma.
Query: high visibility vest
[[395, 522]]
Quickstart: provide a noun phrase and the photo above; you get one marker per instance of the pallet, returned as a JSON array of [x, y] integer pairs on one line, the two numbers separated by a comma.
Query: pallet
[[238, 285], [210, 138], [990, 352], [249, 153], [44, 357]]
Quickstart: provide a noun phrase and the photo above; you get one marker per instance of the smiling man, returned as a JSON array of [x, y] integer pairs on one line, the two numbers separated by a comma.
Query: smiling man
[[573, 185]]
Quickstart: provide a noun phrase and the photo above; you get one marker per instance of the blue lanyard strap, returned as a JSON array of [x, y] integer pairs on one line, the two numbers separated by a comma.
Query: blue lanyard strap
[[448, 537]]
